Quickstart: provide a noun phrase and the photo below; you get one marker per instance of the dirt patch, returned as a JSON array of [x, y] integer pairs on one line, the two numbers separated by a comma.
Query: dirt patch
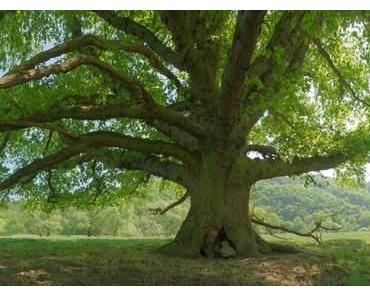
[[292, 270], [37, 277]]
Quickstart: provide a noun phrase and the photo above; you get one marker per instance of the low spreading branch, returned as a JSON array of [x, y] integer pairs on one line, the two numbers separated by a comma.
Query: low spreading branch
[[152, 165], [162, 211], [313, 233], [43, 164], [112, 139], [97, 140], [269, 168], [104, 112]]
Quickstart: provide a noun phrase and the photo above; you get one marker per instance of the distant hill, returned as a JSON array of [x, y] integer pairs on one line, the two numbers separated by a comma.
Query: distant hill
[[280, 201], [299, 206]]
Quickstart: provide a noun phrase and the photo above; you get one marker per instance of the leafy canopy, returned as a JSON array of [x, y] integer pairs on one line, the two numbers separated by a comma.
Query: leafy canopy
[[319, 107]]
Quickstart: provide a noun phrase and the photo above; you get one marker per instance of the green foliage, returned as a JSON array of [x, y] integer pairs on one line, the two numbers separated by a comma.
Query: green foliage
[[311, 111], [298, 206], [280, 201]]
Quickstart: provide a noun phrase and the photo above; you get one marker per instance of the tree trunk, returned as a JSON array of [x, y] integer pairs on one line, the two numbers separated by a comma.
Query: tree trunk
[[217, 224]]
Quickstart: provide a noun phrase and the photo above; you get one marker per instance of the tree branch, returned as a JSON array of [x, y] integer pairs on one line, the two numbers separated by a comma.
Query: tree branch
[[103, 44], [336, 71], [95, 140], [13, 79], [156, 166], [142, 96], [181, 24], [183, 139], [270, 168], [112, 139], [45, 163], [287, 40], [162, 211], [244, 43], [198, 52], [142, 33], [94, 112], [313, 233], [131, 83]]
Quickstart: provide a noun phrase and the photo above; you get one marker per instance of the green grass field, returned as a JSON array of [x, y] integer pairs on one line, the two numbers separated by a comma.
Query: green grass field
[[343, 259]]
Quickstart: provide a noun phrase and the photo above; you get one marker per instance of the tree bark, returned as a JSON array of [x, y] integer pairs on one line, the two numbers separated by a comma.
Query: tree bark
[[219, 215]]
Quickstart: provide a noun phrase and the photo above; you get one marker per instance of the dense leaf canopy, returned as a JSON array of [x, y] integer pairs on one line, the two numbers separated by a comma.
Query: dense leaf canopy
[[86, 95]]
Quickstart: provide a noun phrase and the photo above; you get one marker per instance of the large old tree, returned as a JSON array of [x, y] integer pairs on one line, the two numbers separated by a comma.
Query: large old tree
[[213, 101]]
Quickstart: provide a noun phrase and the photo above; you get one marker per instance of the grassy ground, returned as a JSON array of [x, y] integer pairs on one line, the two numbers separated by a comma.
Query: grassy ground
[[343, 259]]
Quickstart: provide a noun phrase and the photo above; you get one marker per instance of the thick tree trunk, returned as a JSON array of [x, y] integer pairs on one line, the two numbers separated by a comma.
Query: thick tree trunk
[[218, 223]]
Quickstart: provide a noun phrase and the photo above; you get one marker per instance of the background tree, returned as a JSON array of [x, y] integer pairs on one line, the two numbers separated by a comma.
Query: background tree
[[213, 101]]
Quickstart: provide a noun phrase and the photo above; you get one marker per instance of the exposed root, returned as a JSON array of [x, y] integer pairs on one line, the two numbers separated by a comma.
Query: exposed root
[[265, 247]]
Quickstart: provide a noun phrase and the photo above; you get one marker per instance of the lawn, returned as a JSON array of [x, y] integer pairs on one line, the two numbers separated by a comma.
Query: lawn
[[343, 259]]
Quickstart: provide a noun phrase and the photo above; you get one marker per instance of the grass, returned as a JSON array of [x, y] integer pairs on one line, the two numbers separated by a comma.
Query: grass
[[343, 259]]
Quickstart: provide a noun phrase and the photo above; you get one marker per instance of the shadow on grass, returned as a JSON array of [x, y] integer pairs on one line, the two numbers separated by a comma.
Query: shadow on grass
[[138, 262]]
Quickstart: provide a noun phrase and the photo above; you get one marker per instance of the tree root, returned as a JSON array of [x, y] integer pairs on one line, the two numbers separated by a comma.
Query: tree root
[[265, 247]]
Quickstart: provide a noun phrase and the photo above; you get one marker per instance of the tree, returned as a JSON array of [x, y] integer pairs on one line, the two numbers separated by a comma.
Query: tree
[[213, 101]]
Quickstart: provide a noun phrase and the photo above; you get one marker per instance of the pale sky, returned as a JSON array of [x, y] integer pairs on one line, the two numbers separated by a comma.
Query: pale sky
[[331, 172]]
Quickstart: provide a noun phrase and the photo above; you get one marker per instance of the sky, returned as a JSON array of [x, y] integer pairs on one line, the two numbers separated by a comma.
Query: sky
[[331, 172]]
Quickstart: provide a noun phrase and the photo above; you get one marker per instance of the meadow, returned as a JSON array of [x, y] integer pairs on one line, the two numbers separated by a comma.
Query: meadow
[[343, 259]]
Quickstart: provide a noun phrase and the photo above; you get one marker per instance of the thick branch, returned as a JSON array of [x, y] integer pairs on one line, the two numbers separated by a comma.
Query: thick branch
[[107, 139], [103, 44], [162, 211], [17, 78], [181, 138], [287, 40], [112, 139], [244, 43], [142, 33], [24, 76], [181, 24], [276, 167], [45, 163], [150, 164], [152, 111], [94, 112], [198, 52]]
